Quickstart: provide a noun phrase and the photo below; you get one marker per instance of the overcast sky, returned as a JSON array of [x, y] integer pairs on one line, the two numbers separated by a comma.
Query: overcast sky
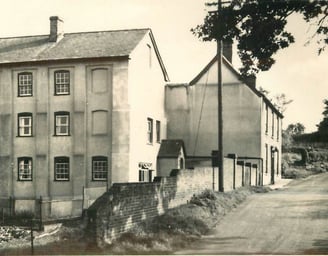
[[299, 72]]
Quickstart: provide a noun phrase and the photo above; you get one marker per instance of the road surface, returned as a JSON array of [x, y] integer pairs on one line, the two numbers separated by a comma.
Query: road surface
[[292, 220]]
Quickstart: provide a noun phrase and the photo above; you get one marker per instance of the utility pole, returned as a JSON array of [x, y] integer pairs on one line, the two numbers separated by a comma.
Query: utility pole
[[220, 111]]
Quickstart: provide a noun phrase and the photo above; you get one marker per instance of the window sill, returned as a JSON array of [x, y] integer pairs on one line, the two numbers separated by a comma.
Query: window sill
[[64, 94], [20, 136], [61, 180], [55, 135]]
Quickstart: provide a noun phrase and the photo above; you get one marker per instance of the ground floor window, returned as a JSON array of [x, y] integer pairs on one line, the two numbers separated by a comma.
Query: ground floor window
[[25, 168], [99, 168], [145, 172], [145, 175]]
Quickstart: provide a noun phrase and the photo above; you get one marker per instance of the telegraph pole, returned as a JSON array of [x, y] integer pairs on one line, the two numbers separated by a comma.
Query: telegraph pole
[[220, 111]]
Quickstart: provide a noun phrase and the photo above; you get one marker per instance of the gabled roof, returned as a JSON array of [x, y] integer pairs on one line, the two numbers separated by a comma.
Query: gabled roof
[[71, 46], [239, 77], [171, 148], [83, 45]]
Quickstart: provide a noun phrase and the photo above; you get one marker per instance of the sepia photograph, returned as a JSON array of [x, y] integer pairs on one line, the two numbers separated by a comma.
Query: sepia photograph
[[148, 127]]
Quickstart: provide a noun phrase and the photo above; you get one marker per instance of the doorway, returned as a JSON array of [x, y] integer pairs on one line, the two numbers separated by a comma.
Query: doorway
[[273, 160]]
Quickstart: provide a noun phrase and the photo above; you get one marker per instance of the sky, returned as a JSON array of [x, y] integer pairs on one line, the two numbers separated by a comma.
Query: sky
[[299, 72]]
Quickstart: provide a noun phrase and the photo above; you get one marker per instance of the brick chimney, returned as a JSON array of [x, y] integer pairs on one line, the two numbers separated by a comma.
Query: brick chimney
[[56, 28], [227, 50]]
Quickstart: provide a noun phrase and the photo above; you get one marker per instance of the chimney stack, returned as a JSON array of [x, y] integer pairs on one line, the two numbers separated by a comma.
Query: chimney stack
[[250, 80], [227, 50], [56, 28]]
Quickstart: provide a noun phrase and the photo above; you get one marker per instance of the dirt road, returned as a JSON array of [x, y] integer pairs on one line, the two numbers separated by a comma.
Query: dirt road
[[292, 220]]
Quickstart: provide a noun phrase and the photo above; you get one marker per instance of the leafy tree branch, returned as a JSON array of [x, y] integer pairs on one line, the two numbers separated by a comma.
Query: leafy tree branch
[[259, 27]]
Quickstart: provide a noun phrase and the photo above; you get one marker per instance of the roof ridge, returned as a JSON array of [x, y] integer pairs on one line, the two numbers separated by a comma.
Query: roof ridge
[[114, 30], [81, 32]]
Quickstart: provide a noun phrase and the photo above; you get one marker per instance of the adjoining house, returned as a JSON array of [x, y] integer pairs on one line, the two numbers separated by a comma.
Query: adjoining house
[[251, 123], [78, 112]]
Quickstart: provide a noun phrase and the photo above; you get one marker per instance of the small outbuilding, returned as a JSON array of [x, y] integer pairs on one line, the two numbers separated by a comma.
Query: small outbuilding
[[171, 155]]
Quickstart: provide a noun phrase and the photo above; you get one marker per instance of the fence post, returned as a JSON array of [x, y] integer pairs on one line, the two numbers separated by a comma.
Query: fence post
[[213, 177], [40, 221], [32, 238], [83, 201], [11, 206]]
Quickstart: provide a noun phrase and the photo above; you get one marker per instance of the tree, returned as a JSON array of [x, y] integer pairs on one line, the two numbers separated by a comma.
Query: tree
[[258, 26], [290, 134], [279, 100], [287, 140], [295, 129], [323, 125]]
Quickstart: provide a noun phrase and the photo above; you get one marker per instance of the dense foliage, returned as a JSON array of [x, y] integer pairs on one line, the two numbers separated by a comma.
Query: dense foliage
[[323, 125], [295, 129], [259, 27]]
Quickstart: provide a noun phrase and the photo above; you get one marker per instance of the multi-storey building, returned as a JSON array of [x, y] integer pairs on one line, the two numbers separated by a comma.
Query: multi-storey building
[[77, 111], [81, 111], [251, 123]]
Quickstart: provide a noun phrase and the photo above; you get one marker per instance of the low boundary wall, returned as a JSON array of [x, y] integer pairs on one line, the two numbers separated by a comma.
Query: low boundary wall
[[127, 204]]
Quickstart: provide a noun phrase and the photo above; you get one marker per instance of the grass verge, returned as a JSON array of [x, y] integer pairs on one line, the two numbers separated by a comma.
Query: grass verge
[[179, 227]]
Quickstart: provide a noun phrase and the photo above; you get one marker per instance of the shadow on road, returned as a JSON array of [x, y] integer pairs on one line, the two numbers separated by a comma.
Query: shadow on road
[[319, 246]]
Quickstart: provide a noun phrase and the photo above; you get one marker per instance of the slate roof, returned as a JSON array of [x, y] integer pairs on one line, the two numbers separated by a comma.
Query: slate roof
[[171, 149], [115, 43]]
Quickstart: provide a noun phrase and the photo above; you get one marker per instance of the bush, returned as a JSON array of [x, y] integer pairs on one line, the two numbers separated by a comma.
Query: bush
[[318, 156]]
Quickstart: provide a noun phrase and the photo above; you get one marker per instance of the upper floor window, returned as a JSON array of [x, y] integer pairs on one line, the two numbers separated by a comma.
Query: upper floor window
[[278, 128], [158, 131], [272, 124], [266, 119], [25, 84], [61, 168], [62, 124], [25, 124], [99, 168], [24, 168], [266, 158], [62, 82], [149, 130]]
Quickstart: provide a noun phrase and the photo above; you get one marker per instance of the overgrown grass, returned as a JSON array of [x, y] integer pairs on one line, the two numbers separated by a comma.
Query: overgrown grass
[[23, 218], [174, 230], [179, 227]]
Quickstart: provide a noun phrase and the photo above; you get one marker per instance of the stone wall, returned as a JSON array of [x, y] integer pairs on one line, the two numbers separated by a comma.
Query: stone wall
[[127, 204]]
